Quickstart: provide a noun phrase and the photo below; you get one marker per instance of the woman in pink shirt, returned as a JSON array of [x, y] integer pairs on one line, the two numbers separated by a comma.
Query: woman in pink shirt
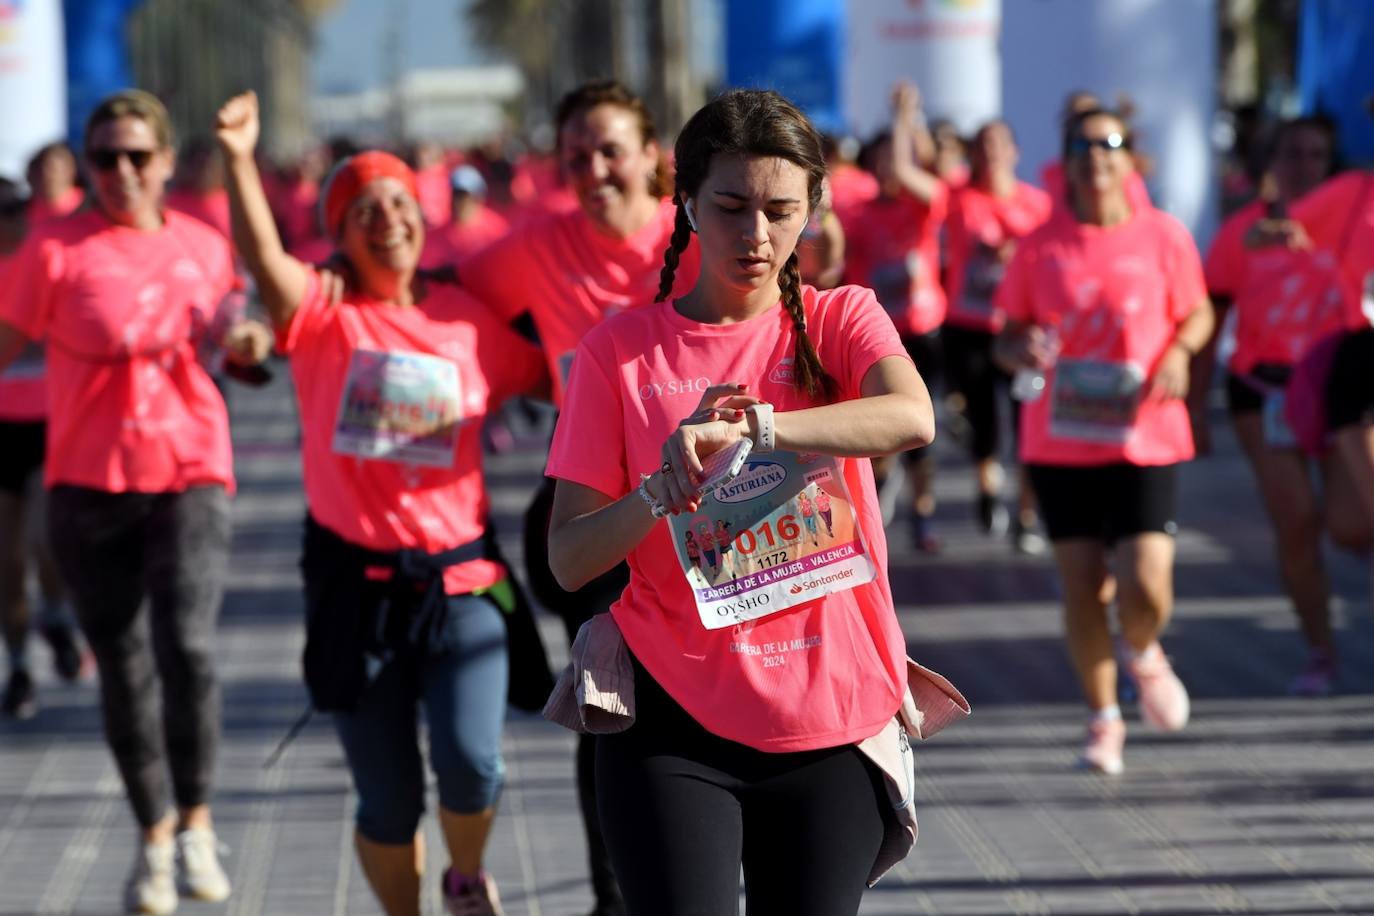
[[393, 383], [567, 272], [139, 474], [1285, 300], [987, 217], [892, 247], [1109, 302], [750, 694]]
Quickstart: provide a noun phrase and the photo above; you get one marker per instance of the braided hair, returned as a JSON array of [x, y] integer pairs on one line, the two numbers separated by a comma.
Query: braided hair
[[753, 122]]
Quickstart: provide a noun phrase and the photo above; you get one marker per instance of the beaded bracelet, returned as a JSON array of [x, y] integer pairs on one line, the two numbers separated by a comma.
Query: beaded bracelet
[[656, 508]]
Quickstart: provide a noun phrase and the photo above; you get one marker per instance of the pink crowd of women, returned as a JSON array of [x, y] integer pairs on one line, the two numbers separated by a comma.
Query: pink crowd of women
[[739, 679]]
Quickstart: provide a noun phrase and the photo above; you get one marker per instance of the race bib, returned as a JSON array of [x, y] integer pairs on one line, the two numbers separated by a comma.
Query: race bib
[[401, 407], [1095, 401], [982, 276], [781, 533], [1277, 432], [894, 282], [29, 364]]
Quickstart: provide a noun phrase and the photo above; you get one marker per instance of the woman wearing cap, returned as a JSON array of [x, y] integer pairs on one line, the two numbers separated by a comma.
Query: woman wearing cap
[[139, 474], [472, 224], [568, 272], [393, 383], [1121, 289]]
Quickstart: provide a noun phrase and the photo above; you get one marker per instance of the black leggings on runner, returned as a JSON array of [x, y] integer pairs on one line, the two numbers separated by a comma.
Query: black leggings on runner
[[682, 809]]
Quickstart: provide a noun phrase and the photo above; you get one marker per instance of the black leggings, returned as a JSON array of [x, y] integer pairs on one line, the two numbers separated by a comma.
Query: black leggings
[[682, 809]]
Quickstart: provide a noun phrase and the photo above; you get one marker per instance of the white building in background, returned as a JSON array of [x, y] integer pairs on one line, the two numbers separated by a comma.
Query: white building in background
[[454, 106]]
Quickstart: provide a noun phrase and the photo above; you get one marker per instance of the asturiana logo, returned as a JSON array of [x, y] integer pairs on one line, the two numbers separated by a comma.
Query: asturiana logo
[[782, 373], [757, 478]]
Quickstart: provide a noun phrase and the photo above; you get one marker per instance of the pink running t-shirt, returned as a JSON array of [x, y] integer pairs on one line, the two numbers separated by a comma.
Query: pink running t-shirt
[[448, 245], [382, 469], [570, 276], [980, 224], [23, 390], [1116, 297], [1286, 302], [122, 311], [1225, 264], [892, 246], [1339, 216], [42, 211], [841, 677]]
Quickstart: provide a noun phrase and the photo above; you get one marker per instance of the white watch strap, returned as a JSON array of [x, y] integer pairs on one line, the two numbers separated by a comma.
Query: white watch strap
[[763, 427]]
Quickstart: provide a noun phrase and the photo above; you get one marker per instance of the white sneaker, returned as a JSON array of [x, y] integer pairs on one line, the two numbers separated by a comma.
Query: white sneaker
[[151, 888], [200, 874]]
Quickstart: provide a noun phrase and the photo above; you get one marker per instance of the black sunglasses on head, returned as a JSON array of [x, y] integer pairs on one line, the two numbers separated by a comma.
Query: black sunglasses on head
[[1080, 145], [107, 159]]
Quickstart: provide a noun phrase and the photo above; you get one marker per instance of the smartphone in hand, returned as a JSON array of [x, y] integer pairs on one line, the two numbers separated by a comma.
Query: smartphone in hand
[[723, 466]]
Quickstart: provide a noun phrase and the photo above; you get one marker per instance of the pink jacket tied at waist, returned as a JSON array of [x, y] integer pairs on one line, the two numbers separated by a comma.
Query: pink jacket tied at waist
[[595, 694]]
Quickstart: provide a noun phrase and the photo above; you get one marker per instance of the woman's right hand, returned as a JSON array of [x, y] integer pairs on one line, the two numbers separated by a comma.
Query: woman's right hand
[[237, 125]]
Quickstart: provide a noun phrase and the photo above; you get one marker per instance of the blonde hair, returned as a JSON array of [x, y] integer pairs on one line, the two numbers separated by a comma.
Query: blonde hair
[[132, 103]]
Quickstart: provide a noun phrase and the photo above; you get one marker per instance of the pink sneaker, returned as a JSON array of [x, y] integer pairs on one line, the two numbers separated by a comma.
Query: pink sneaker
[[1102, 752], [1163, 698], [1318, 679], [471, 897]]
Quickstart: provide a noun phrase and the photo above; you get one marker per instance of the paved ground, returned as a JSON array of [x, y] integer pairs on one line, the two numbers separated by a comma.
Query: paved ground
[[1265, 804]]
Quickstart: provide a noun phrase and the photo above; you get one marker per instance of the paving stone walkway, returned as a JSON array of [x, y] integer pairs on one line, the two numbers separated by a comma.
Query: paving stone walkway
[[1264, 805]]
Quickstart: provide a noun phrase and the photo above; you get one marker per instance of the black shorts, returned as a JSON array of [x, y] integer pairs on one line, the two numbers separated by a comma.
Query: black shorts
[[1244, 396], [22, 454], [928, 354], [1350, 387], [1105, 503]]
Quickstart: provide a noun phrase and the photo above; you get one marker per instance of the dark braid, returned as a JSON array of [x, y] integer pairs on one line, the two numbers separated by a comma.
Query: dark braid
[[682, 234], [806, 363]]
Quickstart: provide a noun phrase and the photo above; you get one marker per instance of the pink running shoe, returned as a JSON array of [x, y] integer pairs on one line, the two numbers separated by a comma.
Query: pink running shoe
[[1318, 679], [1163, 698], [472, 897], [1102, 752]]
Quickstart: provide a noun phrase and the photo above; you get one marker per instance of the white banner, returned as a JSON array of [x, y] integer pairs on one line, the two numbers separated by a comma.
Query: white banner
[[33, 80], [1161, 54], [946, 47]]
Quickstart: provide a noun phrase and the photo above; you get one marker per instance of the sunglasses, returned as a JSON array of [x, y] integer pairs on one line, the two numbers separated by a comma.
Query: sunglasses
[[1080, 145], [107, 159]]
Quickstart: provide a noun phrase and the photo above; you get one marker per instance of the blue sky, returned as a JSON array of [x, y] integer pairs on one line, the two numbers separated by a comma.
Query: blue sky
[[351, 50]]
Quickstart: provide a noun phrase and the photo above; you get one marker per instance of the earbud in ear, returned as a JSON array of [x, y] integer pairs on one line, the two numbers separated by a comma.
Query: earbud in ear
[[691, 214]]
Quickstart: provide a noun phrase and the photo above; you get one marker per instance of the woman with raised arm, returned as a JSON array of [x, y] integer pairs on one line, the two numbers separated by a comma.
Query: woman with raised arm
[[1108, 301], [750, 694], [404, 597]]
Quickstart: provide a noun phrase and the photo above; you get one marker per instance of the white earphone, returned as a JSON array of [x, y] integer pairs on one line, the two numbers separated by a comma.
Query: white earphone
[[691, 214]]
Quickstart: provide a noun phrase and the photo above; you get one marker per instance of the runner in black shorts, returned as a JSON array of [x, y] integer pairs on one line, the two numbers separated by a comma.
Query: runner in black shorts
[[1110, 304]]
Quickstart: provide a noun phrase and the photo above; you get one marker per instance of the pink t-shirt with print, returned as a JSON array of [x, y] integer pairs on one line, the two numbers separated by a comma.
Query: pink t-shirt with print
[[392, 402], [635, 378], [980, 225], [892, 246], [570, 276], [1339, 216], [23, 388], [1115, 296], [1225, 263], [122, 311]]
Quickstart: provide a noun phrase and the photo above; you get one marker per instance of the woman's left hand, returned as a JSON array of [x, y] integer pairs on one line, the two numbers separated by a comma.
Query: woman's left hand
[[718, 422], [1171, 375], [248, 342]]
